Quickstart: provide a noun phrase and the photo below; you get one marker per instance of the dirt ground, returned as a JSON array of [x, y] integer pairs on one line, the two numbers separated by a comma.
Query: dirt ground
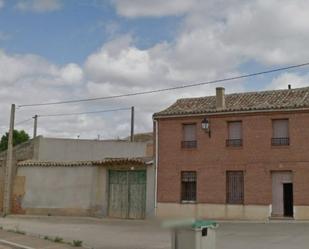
[[132, 234]]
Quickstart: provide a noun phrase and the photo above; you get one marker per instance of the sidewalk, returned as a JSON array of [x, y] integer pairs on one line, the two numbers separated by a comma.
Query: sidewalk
[[13, 240], [108, 233], [95, 233]]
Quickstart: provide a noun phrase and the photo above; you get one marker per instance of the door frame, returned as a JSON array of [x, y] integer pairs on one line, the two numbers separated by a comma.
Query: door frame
[[287, 176]]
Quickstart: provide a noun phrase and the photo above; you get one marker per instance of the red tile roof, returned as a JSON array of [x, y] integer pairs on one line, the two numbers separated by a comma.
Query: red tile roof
[[104, 162], [289, 99]]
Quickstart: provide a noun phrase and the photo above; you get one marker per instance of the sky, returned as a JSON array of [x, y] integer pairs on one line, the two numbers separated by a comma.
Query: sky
[[53, 50]]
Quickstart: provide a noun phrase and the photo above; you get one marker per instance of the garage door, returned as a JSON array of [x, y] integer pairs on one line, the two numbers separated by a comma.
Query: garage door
[[127, 194]]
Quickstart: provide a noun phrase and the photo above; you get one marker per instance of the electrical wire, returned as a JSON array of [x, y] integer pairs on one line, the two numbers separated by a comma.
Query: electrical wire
[[23, 121], [167, 89], [83, 113]]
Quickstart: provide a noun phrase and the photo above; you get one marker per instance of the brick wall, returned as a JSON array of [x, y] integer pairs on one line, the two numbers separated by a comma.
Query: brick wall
[[211, 159]]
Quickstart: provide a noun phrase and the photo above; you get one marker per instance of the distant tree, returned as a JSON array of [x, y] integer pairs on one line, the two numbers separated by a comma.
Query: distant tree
[[18, 138]]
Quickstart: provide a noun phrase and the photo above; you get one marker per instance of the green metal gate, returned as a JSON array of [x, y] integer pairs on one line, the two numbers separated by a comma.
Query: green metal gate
[[127, 194]]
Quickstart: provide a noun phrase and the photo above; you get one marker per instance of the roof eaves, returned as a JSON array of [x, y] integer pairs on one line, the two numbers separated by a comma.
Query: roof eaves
[[228, 112], [104, 162]]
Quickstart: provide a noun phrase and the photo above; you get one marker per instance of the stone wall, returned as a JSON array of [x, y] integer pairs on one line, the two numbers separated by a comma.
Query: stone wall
[[70, 190]]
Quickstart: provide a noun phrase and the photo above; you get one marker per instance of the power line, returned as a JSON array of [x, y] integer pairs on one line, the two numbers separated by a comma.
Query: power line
[[83, 113], [167, 89], [23, 121]]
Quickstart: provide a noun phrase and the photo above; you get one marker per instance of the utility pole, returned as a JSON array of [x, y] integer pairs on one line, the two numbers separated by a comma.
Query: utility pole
[[35, 125], [132, 124], [8, 176]]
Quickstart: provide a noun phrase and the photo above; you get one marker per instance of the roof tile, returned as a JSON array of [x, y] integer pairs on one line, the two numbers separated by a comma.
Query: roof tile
[[240, 102], [104, 162]]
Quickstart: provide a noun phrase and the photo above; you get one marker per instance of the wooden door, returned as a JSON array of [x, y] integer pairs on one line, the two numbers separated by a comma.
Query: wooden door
[[137, 194], [118, 194], [127, 194]]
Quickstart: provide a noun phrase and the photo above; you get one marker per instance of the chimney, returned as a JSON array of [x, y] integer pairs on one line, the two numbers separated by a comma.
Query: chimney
[[220, 98]]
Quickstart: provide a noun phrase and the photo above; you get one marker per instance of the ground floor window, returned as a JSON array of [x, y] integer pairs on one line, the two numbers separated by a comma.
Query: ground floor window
[[188, 186], [235, 187]]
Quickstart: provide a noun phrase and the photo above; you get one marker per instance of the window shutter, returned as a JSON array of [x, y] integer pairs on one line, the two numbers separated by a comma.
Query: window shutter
[[280, 128], [235, 130], [189, 132]]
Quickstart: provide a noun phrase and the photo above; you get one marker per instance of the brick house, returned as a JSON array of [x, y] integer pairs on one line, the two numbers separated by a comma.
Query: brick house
[[234, 156]]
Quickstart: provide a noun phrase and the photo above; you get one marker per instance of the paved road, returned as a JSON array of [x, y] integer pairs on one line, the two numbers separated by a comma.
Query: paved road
[[130, 234], [263, 236]]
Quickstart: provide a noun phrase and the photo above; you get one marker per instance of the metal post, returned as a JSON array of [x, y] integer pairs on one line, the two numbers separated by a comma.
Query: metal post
[[9, 167], [132, 124], [35, 125]]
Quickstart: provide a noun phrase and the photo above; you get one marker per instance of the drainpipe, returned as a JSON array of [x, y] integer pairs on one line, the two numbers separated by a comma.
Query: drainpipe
[[156, 165]]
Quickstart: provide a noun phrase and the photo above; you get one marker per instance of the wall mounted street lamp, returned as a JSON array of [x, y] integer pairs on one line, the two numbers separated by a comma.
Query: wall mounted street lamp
[[206, 125]]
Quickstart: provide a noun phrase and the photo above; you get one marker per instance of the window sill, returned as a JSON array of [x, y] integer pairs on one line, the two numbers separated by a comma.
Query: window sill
[[283, 141], [283, 146], [234, 142], [188, 202], [234, 147], [189, 144]]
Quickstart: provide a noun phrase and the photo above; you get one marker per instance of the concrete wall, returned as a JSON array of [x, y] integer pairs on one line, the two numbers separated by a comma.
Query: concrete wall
[[81, 150], [66, 190], [223, 211], [150, 192], [81, 190], [213, 211]]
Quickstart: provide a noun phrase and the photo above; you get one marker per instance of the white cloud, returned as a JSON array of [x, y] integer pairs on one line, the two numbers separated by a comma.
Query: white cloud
[[1, 3], [293, 79], [214, 40], [269, 32], [39, 5], [119, 61], [71, 73], [141, 8], [30, 78], [20, 69]]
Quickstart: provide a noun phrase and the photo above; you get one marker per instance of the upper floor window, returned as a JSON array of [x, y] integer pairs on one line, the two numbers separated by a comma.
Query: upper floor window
[[280, 132], [189, 136], [235, 187], [188, 186], [234, 134]]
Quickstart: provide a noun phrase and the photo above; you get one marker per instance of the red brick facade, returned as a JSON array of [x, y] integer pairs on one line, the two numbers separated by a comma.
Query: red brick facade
[[211, 159]]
